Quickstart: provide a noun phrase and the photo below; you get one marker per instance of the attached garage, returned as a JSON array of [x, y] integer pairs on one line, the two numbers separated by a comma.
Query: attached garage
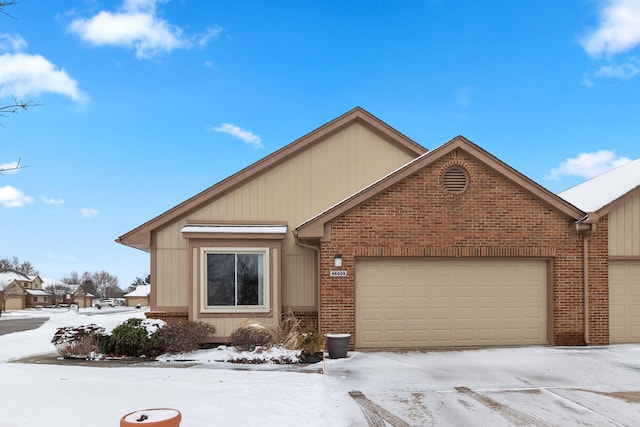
[[624, 302], [14, 302], [412, 303]]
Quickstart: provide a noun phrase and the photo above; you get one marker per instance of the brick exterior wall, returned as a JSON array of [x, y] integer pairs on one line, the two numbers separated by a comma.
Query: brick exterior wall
[[308, 320], [170, 317], [418, 217]]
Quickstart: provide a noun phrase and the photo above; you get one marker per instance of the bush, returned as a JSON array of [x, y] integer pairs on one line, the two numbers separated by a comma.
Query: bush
[[288, 331], [251, 335], [134, 338], [311, 343], [183, 336], [78, 341]]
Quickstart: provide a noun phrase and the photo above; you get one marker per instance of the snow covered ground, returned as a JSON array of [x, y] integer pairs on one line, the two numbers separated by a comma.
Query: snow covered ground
[[592, 386]]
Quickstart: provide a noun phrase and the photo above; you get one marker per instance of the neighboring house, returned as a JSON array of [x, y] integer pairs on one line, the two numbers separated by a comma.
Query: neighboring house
[[616, 195], [358, 229], [139, 296], [77, 295], [81, 297], [22, 291], [64, 293]]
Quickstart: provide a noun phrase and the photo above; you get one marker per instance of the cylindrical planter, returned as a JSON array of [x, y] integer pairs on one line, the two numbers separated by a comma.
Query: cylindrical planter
[[337, 345], [155, 417]]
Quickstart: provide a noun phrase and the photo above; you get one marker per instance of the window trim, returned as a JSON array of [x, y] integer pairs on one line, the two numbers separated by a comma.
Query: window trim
[[266, 279]]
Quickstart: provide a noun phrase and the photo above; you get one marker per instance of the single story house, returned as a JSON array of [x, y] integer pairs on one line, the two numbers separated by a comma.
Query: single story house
[[358, 229], [22, 291], [140, 295]]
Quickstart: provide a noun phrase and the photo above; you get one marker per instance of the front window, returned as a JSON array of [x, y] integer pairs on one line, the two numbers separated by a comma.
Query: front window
[[235, 280]]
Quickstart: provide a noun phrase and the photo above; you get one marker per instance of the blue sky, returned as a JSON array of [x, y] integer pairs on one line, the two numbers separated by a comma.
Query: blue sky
[[145, 103]]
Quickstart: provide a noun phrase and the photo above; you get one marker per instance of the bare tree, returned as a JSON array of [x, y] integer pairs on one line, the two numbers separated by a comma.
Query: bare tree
[[99, 284], [12, 167], [71, 279], [3, 4], [89, 287], [17, 105], [60, 290], [14, 264]]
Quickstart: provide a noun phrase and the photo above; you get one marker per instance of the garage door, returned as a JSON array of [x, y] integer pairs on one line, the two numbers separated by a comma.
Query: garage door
[[624, 302], [431, 303], [15, 303]]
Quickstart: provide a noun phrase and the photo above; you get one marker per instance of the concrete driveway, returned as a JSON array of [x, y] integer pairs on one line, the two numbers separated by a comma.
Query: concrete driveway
[[533, 386]]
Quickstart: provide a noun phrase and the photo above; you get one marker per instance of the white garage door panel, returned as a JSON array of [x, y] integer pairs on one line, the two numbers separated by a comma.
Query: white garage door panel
[[425, 303], [624, 302]]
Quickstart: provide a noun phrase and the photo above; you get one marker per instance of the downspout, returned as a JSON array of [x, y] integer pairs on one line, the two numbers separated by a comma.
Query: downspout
[[585, 273]]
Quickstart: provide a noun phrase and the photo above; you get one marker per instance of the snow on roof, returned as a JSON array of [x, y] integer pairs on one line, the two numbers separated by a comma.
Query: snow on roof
[[6, 277], [47, 281], [140, 291], [598, 192], [37, 292]]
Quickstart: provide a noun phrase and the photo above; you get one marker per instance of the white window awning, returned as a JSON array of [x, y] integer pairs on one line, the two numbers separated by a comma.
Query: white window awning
[[234, 229]]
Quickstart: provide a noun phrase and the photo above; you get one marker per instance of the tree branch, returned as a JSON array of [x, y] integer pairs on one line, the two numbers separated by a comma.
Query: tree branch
[[15, 167], [7, 3]]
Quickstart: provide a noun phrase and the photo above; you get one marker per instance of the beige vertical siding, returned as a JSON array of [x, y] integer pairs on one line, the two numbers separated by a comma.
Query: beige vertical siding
[[624, 229], [173, 278], [290, 192]]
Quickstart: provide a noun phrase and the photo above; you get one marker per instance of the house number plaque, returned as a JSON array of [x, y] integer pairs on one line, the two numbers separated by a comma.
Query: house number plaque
[[340, 273]]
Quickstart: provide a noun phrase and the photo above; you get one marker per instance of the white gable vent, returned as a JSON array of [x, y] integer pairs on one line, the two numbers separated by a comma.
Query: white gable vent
[[455, 179]]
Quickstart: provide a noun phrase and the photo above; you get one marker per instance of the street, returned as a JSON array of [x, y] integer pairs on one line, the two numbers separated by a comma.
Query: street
[[8, 326]]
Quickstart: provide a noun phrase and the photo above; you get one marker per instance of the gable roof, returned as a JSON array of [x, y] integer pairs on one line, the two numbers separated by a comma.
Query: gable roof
[[140, 237], [315, 227], [8, 276], [605, 191], [140, 291]]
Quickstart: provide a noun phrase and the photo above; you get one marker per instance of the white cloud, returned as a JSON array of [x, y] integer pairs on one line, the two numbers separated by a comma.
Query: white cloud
[[622, 71], [244, 135], [618, 29], [51, 201], [11, 197], [588, 165], [88, 213], [587, 80], [136, 26], [148, 6], [25, 75], [12, 42], [203, 39]]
